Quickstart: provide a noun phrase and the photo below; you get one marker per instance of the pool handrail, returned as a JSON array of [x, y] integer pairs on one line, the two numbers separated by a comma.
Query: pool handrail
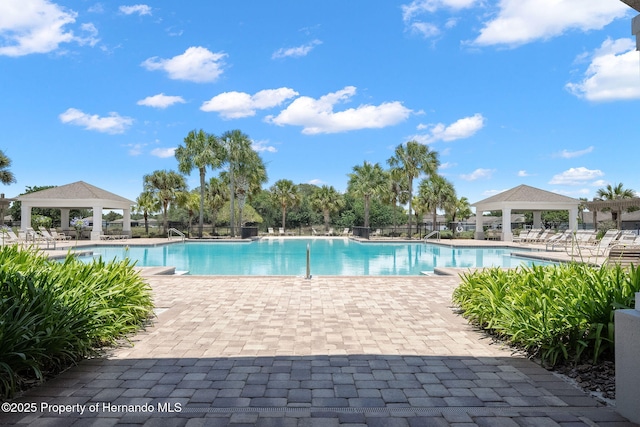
[[176, 231], [434, 232]]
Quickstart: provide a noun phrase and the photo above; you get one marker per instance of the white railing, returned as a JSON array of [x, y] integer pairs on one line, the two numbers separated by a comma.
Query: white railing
[[175, 231], [433, 233]]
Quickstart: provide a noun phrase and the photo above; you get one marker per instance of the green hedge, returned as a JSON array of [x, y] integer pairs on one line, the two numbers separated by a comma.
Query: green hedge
[[557, 313], [53, 314]]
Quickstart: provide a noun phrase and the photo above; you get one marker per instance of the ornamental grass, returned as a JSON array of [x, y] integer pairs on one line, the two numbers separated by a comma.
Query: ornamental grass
[[557, 313], [53, 314]]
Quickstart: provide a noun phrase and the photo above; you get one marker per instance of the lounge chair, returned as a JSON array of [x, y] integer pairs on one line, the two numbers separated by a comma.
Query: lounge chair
[[331, 232], [603, 246], [532, 235], [314, 232], [558, 239], [281, 231], [59, 236], [11, 237], [627, 237], [522, 237], [270, 231], [624, 256], [543, 237], [345, 232]]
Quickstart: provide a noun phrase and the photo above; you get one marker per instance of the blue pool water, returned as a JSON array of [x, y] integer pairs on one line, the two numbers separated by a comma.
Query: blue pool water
[[329, 257]]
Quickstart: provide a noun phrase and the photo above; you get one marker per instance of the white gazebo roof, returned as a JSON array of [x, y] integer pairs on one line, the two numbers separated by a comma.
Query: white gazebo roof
[[75, 195], [526, 198]]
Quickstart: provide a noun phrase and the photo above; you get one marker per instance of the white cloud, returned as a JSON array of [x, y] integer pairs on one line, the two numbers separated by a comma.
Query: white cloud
[[413, 12], [163, 153], [612, 74], [161, 101], [447, 165], [315, 182], [135, 149], [317, 115], [113, 123], [140, 9], [566, 154], [576, 176], [522, 21], [196, 64], [523, 173], [600, 183], [234, 105], [478, 174], [38, 26], [262, 146], [296, 52], [460, 129]]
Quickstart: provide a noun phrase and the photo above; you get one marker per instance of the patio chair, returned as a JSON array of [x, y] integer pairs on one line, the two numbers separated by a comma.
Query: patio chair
[[11, 237], [331, 232], [627, 237], [59, 236], [624, 256], [45, 234], [314, 232], [345, 232], [522, 237], [270, 231], [281, 231]]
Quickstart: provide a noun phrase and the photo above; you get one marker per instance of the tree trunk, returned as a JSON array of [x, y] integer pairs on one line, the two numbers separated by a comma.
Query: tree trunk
[[366, 211], [410, 205], [201, 219], [326, 220], [284, 215]]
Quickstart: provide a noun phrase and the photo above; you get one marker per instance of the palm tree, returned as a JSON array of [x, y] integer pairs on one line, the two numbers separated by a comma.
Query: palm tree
[[285, 194], [397, 191], [615, 192], [216, 196], [436, 193], [146, 203], [6, 176], [458, 208], [327, 200], [411, 160], [242, 160], [367, 181], [250, 175], [189, 200], [201, 150], [165, 185]]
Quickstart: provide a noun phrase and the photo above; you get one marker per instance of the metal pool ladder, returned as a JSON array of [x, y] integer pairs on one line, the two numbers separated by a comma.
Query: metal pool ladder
[[176, 231], [435, 232]]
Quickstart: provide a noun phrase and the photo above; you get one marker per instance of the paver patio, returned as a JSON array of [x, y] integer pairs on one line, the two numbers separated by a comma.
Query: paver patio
[[284, 351]]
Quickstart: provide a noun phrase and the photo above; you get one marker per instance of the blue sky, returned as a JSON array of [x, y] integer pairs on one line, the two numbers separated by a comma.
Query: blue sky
[[536, 92]]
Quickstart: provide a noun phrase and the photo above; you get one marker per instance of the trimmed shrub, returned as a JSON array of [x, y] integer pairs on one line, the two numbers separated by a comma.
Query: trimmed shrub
[[53, 314], [557, 313]]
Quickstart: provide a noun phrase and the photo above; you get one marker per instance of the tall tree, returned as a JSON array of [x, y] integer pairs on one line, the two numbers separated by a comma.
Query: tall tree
[[200, 150], [146, 203], [240, 159], [165, 185], [398, 191], [190, 201], [435, 193], [615, 192], [411, 160], [6, 176], [285, 194], [458, 208], [367, 181], [217, 195], [327, 200]]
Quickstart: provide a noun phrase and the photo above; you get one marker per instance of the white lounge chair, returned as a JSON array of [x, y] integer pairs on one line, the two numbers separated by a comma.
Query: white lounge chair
[[345, 232], [270, 231], [59, 236], [331, 232], [281, 231]]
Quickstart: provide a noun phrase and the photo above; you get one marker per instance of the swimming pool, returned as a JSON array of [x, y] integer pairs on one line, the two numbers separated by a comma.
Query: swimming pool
[[329, 257]]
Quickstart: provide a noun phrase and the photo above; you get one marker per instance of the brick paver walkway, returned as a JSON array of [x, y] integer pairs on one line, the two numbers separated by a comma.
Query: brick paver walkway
[[323, 352]]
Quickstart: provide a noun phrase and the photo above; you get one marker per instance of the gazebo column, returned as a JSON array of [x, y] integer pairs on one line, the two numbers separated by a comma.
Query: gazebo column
[[96, 230], [126, 222], [537, 219], [64, 218], [25, 216], [507, 235], [479, 234], [573, 219]]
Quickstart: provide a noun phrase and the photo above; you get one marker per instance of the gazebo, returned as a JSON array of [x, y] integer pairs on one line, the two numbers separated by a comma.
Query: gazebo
[[527, 199], [77, 195]]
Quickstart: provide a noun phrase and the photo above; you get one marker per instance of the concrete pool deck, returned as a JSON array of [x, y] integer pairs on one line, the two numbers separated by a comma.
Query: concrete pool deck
[[284, 351]]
